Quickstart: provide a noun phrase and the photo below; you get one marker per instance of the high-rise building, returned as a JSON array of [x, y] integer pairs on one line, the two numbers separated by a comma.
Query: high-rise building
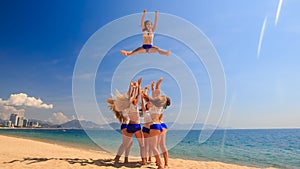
[[25, 122], [14, 119], [20, 121], [8, 123]]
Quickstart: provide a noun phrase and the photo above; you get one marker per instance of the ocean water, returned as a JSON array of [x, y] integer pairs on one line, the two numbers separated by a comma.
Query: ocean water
[[279, 148]]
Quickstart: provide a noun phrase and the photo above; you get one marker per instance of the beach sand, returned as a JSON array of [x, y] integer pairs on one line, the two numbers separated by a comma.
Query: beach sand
[[24, 153]]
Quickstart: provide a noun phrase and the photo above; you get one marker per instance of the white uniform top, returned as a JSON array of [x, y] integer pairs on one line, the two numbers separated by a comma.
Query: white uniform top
[[125, 115], [148, 37], [133, 113], [155, 112], [147, 117]]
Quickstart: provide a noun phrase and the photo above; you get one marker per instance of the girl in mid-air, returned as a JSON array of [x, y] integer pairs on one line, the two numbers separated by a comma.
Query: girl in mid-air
[[148, 34]]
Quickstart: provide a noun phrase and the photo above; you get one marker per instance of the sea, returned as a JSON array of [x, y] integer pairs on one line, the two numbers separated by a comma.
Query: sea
[[262, 148]]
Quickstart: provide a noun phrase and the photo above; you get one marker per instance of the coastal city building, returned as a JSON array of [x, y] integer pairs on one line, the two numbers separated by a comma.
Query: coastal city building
[[19, 121], [14, 119], [7, 123]]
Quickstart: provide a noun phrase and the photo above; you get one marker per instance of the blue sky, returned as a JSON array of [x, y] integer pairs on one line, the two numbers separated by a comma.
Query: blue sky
[[41, 42]]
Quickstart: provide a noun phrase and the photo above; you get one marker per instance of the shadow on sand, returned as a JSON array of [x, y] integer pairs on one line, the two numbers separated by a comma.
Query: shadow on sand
[[82, 162]]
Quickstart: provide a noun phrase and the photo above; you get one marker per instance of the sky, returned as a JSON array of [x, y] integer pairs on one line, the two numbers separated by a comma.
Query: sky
[[256, 45]]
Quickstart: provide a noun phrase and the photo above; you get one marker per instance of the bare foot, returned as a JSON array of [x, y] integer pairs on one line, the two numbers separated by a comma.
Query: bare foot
[[160, 167], [168, 53], [123, 52], [116, 162], [144, 161]]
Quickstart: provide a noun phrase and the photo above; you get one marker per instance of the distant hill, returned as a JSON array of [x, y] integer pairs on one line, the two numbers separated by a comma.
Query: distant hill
[[79, 124], [76, 124], [88, 125], [44, 124]]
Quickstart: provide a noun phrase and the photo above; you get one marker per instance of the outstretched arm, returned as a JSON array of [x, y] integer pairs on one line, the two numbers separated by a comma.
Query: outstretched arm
[[136, 100], [129, 89], [132, 96], [145, 96], [158, 83], [143, 103], [155, 21], [142, 98], [152, 88], [143, 18]]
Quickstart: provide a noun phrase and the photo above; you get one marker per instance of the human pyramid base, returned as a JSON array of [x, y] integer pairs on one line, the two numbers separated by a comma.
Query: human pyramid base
[[152, 136]]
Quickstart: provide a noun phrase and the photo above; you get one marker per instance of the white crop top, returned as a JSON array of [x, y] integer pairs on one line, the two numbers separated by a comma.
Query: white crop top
[[125, 115], [133, 113], [155, 110], [147, 117], [148, 37]]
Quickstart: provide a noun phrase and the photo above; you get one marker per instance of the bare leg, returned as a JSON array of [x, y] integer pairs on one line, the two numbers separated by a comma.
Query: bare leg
[[155, 49], [127, 150], [126, 141], [148, 151], [163, 147], [153, 145], [140, 138], [136, 51]]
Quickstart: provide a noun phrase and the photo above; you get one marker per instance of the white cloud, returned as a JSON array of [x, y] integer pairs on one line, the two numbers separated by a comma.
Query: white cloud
[[23, 99], [58, 118], [5, 111]]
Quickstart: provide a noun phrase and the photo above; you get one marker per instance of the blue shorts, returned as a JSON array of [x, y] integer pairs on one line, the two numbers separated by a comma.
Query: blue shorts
[[147, 47], [146, 130], [123, 126], [132, 128], [156, 127], [163, 125]]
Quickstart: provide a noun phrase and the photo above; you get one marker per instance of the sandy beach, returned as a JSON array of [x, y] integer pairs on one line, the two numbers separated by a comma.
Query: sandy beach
[[25, 153]]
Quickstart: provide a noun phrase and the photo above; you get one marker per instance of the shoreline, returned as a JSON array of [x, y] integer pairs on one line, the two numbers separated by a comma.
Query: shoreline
[[20, 152]]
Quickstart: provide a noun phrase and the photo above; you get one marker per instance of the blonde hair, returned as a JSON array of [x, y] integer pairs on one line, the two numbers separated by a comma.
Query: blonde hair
[[159, 101], [121, 101], [112, 107]]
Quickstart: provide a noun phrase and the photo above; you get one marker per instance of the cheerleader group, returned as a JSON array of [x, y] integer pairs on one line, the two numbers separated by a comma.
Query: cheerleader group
[[152, 135]]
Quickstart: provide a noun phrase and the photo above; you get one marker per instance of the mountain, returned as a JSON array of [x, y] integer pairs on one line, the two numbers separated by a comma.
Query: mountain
[[44, 124], [79, 124]]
